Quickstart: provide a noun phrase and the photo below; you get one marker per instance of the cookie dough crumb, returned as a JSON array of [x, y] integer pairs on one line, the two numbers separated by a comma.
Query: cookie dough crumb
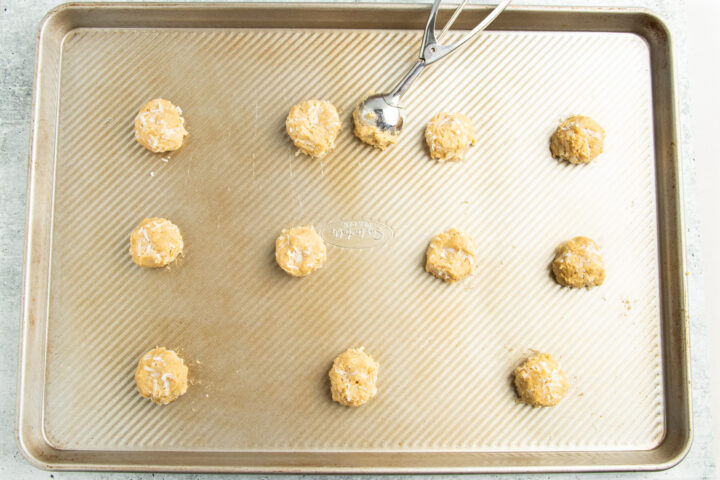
[[161, 376], [578, 263], [313, 126], [540, 381], [155, 243], [448, 136], [159, 126], [300, 251], [578, 139], [353, 377], [372, 135], [451, 255]]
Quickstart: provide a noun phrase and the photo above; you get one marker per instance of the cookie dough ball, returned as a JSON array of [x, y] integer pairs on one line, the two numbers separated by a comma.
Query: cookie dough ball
[[313, 126], [578, 140], [159, 126], [300, 251], [451, 255], [155, 243], [448, 136], [540, 381], [372, 135], [353, 377], [578, 263], [161, 376]]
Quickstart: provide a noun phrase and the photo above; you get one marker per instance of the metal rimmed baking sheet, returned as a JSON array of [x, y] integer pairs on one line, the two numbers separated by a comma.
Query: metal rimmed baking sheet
[[259, 343]]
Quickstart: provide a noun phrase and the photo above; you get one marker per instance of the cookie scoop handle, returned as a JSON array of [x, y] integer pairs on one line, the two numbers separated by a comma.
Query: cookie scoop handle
[[432, 50]]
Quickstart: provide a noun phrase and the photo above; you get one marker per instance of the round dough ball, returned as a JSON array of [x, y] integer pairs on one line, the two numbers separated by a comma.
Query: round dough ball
[[353, 377], [313, 126], [161, 376], [451, 255], [540, 381], [578, 263], [155, 243], [159, 126], [578, 140], [448, 136], [300, 251], [372, 135]]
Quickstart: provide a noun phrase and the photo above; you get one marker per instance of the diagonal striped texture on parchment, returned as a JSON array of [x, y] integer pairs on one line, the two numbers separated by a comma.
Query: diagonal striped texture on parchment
[[258, 342]]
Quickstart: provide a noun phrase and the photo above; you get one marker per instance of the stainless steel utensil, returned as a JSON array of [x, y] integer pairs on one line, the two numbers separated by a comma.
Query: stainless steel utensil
[[383, 110]]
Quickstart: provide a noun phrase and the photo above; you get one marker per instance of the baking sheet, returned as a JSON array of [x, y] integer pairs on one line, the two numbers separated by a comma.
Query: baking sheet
[[258, 342]]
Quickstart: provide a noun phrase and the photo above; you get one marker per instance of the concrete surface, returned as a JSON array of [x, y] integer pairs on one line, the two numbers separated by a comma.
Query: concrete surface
[[18, 24], [703, 48]]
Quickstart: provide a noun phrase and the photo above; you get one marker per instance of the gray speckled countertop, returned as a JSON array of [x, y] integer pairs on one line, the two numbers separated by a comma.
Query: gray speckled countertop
[[18, 25]]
